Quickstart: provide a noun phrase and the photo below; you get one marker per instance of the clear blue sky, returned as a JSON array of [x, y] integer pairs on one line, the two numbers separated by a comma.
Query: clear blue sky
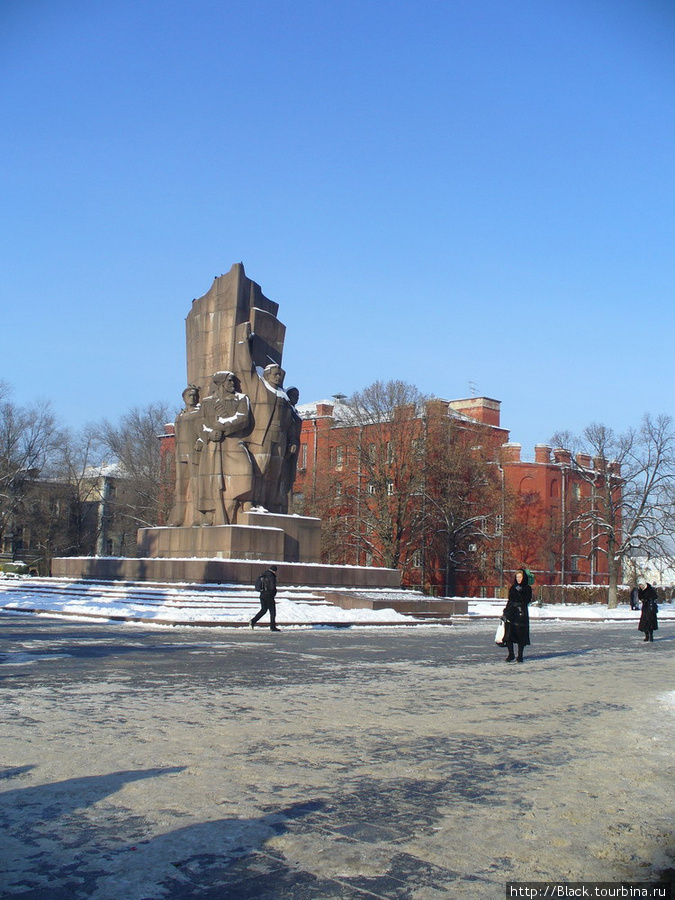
[[443, 191]]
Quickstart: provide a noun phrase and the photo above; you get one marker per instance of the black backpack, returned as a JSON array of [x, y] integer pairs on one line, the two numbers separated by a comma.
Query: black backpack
[[264, 582]]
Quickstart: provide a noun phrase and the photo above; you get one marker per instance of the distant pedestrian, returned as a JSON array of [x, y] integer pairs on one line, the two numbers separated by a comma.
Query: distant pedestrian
[[649, 622], [634, 598], [266, 584], [517, 617]]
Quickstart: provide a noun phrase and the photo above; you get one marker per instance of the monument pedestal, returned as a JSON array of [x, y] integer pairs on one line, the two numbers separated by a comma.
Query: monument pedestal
[[258, 535], [230, 554]]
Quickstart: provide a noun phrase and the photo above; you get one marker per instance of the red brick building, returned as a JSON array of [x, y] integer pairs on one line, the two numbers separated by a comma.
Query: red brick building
[[530, 519]]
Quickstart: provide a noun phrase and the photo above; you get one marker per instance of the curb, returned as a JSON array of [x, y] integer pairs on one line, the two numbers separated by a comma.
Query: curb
[[206, 623]]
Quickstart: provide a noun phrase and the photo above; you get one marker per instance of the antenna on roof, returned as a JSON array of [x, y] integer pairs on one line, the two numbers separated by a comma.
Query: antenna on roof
[[339, 398], [472, 388]]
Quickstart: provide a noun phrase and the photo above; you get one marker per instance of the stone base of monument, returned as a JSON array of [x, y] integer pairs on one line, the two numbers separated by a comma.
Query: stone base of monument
[[258, 535], [221, 571], [229, 554]]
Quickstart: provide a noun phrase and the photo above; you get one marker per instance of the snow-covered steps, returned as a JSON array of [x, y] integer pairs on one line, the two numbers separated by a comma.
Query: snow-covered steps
[[186, 604], [412, 603]]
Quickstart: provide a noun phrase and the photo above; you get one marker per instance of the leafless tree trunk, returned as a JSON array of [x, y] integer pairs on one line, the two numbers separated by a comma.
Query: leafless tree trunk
[[380, 492], [29, 437], [134, 444], [463, 497], [632, 491]]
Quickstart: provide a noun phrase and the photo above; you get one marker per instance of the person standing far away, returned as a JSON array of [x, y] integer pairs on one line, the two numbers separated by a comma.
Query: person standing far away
[[517, 617], [266, 584], [649, 622]]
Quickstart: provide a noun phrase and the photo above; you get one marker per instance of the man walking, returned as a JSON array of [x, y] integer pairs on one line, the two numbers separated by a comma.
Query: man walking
[[266, 584]]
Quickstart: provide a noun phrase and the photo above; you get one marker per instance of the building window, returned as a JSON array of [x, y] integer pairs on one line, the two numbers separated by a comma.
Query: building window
[[555, 488], [338, 488], [390, 487], [499, 524], [339, 457], [390, 452], [371, 488], [303, 457], [527, 485], [576, 491], [416, 560]]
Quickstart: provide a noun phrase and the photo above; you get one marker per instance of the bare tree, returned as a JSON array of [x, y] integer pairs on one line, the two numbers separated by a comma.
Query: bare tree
[[370, 500], [29, 437], [404, 486], [134, 444], [462, 496], [389, 446], [632, 489], [77, 463]]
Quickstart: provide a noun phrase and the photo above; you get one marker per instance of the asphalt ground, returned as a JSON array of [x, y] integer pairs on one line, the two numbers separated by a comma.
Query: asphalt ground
[[400, 763]]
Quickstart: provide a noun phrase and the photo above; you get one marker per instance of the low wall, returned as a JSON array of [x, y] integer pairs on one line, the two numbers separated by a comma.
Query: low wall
[[220, 571], [414, 605], [586, 593]]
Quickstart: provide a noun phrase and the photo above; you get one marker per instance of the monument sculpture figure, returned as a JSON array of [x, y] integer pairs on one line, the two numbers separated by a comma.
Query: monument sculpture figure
[[237, 439], [268, 441], [235, 328], [225, 472], [187, 428], [290, 464]]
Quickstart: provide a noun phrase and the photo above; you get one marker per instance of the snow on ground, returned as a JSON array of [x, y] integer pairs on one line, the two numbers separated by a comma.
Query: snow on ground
[[597, 611], [235, 604]]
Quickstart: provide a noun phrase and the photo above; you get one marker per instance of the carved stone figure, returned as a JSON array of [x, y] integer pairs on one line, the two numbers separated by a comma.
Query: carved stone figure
[[187, 428], [272, 417], [213, 322], [246, 453], [225, 470], [290, 464]]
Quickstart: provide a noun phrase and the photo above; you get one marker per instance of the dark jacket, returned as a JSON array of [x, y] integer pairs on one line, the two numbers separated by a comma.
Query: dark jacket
[[516, 614], [648, 616]]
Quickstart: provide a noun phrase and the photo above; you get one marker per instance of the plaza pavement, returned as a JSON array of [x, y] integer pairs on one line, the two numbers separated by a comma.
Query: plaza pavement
[[408, 764]]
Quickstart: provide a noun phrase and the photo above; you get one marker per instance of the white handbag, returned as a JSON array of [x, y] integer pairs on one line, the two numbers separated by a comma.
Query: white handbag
[[500, 634]]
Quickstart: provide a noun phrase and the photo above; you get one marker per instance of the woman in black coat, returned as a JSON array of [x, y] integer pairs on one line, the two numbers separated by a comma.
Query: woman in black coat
[[517, 617], [649, 622]]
